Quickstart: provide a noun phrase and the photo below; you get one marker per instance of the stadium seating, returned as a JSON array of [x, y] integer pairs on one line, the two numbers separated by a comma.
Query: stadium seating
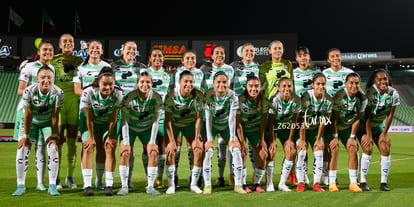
[[8, 95]]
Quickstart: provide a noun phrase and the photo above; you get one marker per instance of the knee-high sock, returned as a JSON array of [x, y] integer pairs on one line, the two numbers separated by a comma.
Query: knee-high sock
[[161, 165], [100, 169], [170, 175], [190, 155], [207, 167], [71, 143], [195, 174], [53, 163], [365, 162], [177, 159], [317, 166], [40, 158], [109, 178], [300, 163], [385, 168], [286, 167], [258, 175], [221, 156], [22, 163], [152, 174], [230, 160], [123, 173], [269, 172], [237, 166], [87, 177]]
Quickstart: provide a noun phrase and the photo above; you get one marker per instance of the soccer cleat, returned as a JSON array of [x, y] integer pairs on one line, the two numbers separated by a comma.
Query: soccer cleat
[[53, 190], [152, 191], [316, 187], [258, 189], [108, 191], [270, 187], [207, 189], [239, 189], [170, 190], [247, 189], [283, 188], [220, 182], [195, 189], [98, 185], [41, 187], [158, 182], [364, 187], [384, 187], [333, 187], [58, 184], [88, 191], [20, 190], [354, 187], [301, 187], [231, 179], [70, 182], [122, 191], [292, 178]]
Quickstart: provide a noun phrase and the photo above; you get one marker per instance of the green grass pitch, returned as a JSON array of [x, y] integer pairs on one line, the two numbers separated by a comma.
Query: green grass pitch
[[401, 181]]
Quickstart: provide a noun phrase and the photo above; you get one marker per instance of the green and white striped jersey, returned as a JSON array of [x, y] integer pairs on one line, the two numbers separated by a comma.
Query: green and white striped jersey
[[219, 107], [250, 114], [315, 110], [102, 107], [241, 71], [348, 108], [335, 81], [284, 111], [141, 113], [198, 78], [183, 110], [86, 73], [28, 73], [161, 81], [303, 79], [210, 71], [42, 104], [126, 75], [381, 104]]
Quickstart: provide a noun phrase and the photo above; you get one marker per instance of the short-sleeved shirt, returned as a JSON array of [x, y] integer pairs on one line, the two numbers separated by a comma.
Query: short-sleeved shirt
[[102, 107], [42, 104], [161, 81], [197, 74], [381, 104], [86, 73], [282, 110], [251, 115], [272, 72], [219, 107], [241, 72], [142, 113], [210, 71], [65, 67], [303, 79], [335, 81], [183, 110], [315, 110], [126, 75], [348, 108], [28, 73]]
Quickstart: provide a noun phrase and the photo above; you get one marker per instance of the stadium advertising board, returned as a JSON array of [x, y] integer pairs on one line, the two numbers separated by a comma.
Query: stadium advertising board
[[173, 50], [8, 46], [115, 48], [204, 48], [261, 49]]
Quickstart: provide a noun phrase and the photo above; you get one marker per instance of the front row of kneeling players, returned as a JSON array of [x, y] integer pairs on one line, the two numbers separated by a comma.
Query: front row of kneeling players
[[316, 118]]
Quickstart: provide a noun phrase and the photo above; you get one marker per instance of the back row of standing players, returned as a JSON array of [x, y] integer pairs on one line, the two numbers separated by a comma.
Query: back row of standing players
[[291, 99]]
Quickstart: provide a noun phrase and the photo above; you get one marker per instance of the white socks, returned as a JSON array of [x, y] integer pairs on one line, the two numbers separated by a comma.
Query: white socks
[[123, 173], [53, 163], [317, 166], [152, 174], [87, 177], [237, 166], [195, 174], [207, 167], [365, 161], [258, 175], [286, 167], [300, 164], [385, 168], [170, 175], [40, 161], [332, 176], [221, 156], [22, 163]]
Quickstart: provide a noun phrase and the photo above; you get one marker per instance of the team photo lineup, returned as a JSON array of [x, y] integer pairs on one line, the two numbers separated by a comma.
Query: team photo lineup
[[236, 110]]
